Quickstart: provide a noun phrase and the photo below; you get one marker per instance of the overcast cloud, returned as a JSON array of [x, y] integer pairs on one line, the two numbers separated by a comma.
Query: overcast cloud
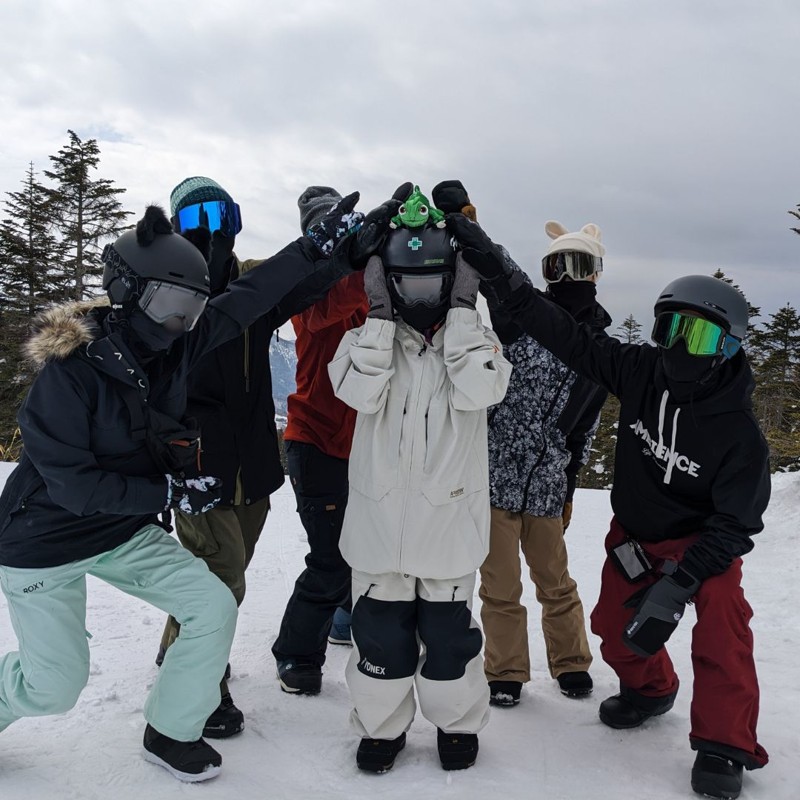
[[673, 126]]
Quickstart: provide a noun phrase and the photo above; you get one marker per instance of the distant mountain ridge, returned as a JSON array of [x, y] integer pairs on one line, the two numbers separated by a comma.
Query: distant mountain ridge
[[283, 363]]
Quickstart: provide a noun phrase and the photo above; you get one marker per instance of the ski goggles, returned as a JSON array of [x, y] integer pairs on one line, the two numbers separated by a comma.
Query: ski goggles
[[702, 336], [216, 215], [427, 290], [175, 307], [570, 263]]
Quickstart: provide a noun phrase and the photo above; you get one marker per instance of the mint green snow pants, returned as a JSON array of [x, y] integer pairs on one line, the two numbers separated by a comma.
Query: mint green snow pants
[[48, 612]]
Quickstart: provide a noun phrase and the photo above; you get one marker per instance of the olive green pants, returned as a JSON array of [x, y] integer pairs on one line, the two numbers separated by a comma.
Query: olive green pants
[[505, 619], [225, 538]]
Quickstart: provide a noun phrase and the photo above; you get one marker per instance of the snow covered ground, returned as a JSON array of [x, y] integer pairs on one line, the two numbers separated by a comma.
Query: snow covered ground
[[548, 747]]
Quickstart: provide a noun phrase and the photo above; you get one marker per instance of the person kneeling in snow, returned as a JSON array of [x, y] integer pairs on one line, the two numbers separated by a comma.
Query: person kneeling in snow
[[421, 373], [107, 449], [691, 482]]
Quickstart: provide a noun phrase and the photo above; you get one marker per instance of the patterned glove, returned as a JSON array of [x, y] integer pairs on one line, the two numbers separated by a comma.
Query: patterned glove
[[193, 495], [465, 286], [659, 609], [336, 225], [380, 304], [566, 515]]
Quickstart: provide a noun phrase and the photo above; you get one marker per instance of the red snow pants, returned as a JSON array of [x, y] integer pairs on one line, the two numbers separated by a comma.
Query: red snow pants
[[724, 708]]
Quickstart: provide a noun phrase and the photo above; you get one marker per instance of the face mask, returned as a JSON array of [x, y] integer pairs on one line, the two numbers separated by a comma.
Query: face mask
[[680, 366], [573, 296], [153, 336]]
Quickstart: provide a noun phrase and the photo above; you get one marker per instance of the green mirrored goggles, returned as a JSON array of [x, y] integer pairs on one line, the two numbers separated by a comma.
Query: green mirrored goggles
[[702, 336]]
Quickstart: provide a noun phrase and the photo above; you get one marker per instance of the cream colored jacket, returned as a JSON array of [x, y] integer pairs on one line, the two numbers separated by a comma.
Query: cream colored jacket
[[419, 488]]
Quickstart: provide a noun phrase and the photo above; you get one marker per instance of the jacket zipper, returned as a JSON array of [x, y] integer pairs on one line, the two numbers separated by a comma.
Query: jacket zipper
[[544, 447], [421, 354]]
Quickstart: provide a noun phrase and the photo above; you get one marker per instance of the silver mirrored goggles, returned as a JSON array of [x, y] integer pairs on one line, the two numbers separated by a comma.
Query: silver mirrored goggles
[[570, 263], [175, 307], [430, 289]]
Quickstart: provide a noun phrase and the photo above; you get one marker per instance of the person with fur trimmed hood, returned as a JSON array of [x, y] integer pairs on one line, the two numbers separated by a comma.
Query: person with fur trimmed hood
[[539, 438], [420, 373], [691, 483], [107, 449]]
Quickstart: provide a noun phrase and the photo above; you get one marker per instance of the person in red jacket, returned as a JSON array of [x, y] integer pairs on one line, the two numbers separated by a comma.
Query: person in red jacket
[[318, 436]]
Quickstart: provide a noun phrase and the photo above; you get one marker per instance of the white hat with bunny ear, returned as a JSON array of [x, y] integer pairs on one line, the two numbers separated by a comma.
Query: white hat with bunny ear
[[586, 240]]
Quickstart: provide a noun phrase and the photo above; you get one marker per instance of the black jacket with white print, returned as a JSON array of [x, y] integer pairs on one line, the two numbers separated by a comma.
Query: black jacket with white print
[[539, 436], [696, 466]]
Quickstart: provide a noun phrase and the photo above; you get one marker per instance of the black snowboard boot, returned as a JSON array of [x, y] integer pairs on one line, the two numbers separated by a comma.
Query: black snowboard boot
[[299, 677], [187, 761], [716, 776], [457, 750], [504, 693], [575, 684], [629, 709], [378, 755], [225, 721]]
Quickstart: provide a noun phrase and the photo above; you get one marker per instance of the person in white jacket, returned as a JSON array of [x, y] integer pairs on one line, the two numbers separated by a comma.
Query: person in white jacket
[[420, 372]]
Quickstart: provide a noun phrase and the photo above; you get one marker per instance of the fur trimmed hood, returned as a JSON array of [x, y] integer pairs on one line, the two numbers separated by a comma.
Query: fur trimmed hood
[[59, 331]]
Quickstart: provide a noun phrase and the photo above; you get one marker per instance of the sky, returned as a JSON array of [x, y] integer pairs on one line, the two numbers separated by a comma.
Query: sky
[[673, 126]]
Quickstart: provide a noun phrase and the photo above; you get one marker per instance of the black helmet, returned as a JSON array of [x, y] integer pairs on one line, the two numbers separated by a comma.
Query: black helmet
[[420, 266], [711, 297], [152, 253]]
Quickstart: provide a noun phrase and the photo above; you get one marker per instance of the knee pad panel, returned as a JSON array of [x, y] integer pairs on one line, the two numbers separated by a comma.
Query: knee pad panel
[[450, 640], [385, 633]]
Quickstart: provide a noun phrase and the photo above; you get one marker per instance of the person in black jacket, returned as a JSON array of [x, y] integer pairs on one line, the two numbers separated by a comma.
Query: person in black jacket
[[691, 482], [230, 396], [107, 448]]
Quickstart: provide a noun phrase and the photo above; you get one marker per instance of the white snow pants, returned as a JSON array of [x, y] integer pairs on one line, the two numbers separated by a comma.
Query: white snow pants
[[409, 631]]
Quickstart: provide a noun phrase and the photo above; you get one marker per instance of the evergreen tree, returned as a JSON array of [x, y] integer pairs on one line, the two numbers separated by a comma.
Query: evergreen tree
[[797, 215], [777, 398], [599, 470], [29, 248], [752, 311], [629, 330], [88, 211]]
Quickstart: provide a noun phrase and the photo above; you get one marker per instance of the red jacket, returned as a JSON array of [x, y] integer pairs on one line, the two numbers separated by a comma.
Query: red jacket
[[316, 415]]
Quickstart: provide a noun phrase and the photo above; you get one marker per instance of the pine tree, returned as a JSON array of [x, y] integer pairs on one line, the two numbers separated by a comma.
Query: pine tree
[[777, 398], [629, 330], [88, 211], [599, 470], [752, 311], [797, 215], [29, 248]]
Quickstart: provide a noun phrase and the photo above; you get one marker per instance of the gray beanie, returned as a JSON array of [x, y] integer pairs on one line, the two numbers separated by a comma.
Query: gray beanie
[[315, 203]]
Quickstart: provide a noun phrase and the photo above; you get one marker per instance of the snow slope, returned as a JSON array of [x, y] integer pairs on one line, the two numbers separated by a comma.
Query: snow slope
[[298, 747]]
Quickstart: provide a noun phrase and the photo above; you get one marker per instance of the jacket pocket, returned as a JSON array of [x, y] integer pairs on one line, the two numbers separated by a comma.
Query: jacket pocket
[[23, 484]]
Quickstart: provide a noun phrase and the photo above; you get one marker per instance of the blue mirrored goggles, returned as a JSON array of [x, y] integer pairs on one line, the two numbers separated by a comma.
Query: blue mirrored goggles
[[216, 215]]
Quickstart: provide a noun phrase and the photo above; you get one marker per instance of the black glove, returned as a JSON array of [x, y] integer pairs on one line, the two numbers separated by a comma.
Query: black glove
[[403, 191], [193, 495], [479, 250], [659, 609], [336, 225], [451, 197], [373, 231]]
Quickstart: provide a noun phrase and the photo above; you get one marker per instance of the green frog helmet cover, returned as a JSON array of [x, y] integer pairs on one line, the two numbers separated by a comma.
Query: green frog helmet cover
[[420, 266]]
